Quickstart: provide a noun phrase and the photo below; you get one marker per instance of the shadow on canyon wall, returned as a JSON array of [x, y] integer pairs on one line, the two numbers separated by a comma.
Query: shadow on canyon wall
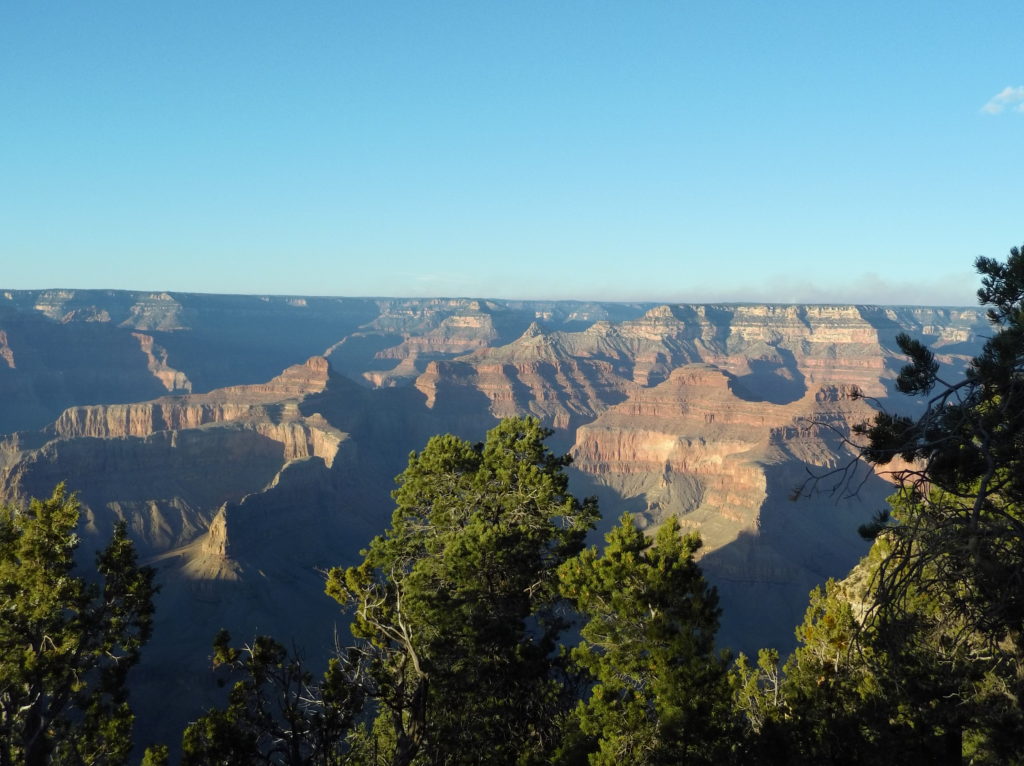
[[771, 381], [764, 576]]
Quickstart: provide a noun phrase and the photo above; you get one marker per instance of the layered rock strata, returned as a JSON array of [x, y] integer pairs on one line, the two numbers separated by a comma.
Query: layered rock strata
[[180, 456], [240, 481]]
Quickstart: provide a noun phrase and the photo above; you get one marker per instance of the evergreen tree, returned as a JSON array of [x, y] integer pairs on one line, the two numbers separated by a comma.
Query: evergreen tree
[[661, 692], [912, 686], [958, 534], [824, 709], [66, 643], [457, 603], [275, 713]]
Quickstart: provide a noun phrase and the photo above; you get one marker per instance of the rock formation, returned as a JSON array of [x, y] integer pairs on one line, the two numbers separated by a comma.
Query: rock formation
[[250, 441]]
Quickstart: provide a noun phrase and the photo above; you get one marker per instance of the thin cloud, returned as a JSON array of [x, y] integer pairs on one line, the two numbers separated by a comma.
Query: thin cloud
[[955, 289], [1009, 97]]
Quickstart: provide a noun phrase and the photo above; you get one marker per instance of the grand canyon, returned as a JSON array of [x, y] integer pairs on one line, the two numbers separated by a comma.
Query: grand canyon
[[250, 442]]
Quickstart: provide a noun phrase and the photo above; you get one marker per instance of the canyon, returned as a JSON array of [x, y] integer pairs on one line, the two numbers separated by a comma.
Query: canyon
[[250, 442]]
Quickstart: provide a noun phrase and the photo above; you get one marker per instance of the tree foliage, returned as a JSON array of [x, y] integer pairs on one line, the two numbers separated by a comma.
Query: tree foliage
[[815, 708], [661, 691], [276, 714], [906, 688], [66, 642], [917, 656], [457, 603], [957, 530]]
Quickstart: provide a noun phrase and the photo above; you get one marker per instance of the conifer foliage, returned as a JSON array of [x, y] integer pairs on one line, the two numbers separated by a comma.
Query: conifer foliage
[[66, 643], [966, 522], [277, 713], [456, 605], [661, 692], [919, 655], [957, 535]]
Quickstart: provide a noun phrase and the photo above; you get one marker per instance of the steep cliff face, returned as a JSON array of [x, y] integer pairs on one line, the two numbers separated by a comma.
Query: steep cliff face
[[76, 347], [409, 335], [688, 409], [563, 392], [771, 355], [674, 409], [167, 485], [80, 347], [727, 466], [240, 497], [269, 409], [690, 426], [45, 367], [468, 327], [166, 465], [6, 355]]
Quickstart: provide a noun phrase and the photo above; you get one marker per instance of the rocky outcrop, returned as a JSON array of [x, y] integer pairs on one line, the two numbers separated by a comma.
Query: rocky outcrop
[[6, 354], [456, 333], [297, 381], [173, 380], [156, 311], [727, 465], [269, 409], [690, 426], [166, 465]]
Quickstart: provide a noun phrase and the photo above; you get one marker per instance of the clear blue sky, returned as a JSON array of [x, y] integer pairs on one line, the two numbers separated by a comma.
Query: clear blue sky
[[677, 151]]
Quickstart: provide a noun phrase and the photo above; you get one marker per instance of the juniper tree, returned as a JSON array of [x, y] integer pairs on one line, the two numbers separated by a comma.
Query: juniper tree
[[909, 687]]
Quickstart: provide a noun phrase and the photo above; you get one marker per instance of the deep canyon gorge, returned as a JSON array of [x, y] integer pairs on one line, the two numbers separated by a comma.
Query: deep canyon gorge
[[250, 442]]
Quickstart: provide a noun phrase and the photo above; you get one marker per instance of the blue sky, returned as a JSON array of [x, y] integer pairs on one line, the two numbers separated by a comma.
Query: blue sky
[[671, 151]]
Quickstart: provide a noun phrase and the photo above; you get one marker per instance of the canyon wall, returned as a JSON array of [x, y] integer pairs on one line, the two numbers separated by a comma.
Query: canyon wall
[[251, 441]]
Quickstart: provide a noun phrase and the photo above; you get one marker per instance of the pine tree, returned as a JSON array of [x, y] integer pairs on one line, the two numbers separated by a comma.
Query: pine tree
[[957, 534], [457, 603], [66, 643], [661, 692]]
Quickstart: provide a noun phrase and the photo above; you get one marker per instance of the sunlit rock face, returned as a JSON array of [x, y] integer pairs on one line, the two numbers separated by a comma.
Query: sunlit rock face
[[249, 442]]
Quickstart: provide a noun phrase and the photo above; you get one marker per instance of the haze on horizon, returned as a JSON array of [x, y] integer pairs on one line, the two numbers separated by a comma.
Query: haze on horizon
[[733, 151]]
